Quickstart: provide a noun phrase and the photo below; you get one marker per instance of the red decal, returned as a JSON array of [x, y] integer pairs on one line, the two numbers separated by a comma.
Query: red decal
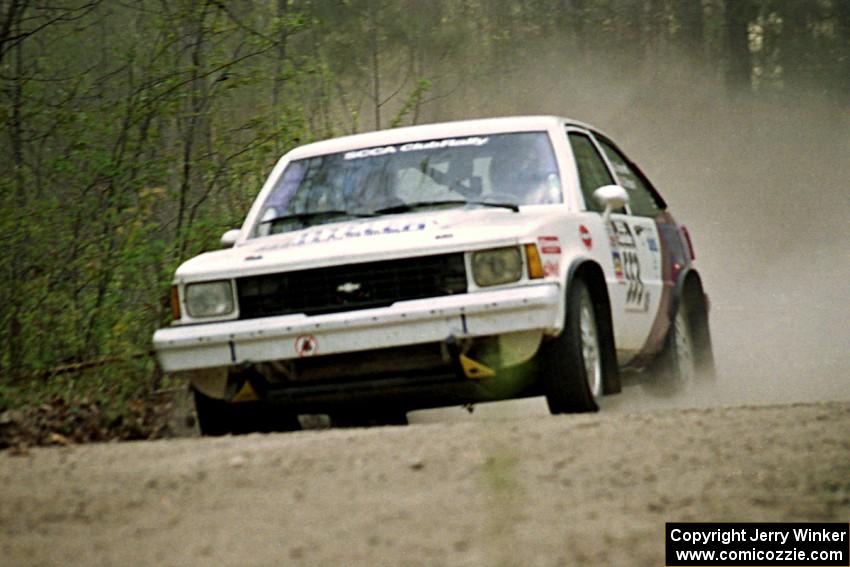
[[551, 269], [549, 244], [585, 236], [306, 345]]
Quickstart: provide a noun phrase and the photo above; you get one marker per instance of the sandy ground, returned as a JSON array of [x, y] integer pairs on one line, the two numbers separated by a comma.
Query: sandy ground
[[529, 489], [760, 187]]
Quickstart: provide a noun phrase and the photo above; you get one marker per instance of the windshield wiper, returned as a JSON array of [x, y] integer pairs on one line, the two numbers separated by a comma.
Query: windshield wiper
[[408, 207], [310, 215]]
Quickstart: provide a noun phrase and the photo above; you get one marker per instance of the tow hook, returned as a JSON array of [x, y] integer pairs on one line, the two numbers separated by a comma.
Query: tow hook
[[464, 365], [245, 386]]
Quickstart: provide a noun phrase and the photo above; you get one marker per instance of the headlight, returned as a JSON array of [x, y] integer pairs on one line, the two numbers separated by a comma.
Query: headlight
[[497, 266], [209, 299]]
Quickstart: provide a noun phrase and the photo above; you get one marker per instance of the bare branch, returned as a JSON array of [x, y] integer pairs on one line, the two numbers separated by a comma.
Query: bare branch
[[398, 90], [221, 6], [12, 40]]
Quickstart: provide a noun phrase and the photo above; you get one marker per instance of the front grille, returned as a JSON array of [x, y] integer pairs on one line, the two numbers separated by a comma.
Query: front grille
[[350, 287]]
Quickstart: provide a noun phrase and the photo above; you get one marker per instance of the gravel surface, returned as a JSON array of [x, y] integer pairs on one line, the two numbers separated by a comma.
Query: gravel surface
[[524, 490]]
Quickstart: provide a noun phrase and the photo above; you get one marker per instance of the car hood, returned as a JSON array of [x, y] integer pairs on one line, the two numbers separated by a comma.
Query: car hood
[[364, 240]]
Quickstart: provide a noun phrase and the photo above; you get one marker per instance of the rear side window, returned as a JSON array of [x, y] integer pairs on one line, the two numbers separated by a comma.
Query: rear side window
[[641, 199], [592, 171]]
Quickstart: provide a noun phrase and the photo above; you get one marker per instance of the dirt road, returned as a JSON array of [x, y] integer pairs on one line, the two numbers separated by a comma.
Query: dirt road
[[530, 490]]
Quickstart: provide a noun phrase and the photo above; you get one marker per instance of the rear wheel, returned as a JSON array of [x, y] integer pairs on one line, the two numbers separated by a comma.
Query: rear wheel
[[687, 356], [218, 417], [572, 364], [681, 366]]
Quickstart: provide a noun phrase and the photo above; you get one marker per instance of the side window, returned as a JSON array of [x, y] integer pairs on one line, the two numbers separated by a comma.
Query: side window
[[641, 200], [592, 171]]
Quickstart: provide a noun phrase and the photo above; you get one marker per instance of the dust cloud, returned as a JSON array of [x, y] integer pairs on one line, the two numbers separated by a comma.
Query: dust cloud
[[763, 184]]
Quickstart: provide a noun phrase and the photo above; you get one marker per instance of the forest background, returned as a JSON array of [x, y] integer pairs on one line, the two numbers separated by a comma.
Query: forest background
[[136, 132]]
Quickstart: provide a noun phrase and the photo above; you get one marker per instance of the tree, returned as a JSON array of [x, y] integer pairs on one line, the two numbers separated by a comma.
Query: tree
[[738, 15], [690, 35], [842, 20]]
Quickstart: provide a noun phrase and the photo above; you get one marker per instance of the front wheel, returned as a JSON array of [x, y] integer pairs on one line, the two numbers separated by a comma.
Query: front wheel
[[219, 417], [572, 365]]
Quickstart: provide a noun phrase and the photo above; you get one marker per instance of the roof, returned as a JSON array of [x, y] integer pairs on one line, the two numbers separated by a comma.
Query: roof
[[431, 132]]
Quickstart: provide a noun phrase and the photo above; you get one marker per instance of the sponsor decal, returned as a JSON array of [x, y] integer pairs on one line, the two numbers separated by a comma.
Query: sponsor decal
[[585, 237], [322, 235], [551, 268], [360, 230], [653, 244], [618, 265], [637, 296], [549, 244], [648, 236], [622, 234], [627, 264], [416, 146], [306, 345]]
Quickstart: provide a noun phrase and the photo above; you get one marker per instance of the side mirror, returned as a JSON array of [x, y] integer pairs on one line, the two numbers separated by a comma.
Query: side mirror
[[229, 238], [612, 197]]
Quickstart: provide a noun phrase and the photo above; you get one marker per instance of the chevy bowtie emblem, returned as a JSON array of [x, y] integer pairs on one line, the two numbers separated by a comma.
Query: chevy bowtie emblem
[[348, 287]]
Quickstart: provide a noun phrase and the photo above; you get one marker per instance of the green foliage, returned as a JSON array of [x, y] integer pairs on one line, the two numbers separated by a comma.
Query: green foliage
[[413, 101], [136, 137]]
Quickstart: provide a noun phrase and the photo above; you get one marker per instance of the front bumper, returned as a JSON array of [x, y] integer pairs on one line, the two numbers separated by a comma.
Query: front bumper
[[287, 337]]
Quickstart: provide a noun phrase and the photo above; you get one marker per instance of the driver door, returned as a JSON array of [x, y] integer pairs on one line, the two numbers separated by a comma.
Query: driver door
[[632, 259]]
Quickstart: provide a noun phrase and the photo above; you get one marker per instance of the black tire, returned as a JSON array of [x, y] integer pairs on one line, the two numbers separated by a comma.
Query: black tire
[[218, 417], [213, 415], [572, 381], [687, 357], [368, 419]]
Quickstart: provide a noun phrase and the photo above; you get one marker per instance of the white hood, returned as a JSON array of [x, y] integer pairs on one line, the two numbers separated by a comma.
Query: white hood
[[364, 240]]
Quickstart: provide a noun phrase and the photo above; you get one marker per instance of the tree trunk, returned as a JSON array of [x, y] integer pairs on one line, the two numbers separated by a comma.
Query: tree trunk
[[691, 27], [737, 17], [797, 46], [375, 62], [15, 339], [842, 17], [198, 97], [11, 17], [277, 86]]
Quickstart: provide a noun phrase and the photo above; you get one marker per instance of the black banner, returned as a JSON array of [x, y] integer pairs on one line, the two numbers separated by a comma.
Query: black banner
[[757, 544]]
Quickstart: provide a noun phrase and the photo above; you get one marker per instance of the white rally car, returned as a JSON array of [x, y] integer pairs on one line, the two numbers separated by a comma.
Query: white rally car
[[442, 264]]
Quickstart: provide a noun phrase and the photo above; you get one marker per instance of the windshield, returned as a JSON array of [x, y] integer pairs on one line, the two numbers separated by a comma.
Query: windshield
[[501, 169]]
